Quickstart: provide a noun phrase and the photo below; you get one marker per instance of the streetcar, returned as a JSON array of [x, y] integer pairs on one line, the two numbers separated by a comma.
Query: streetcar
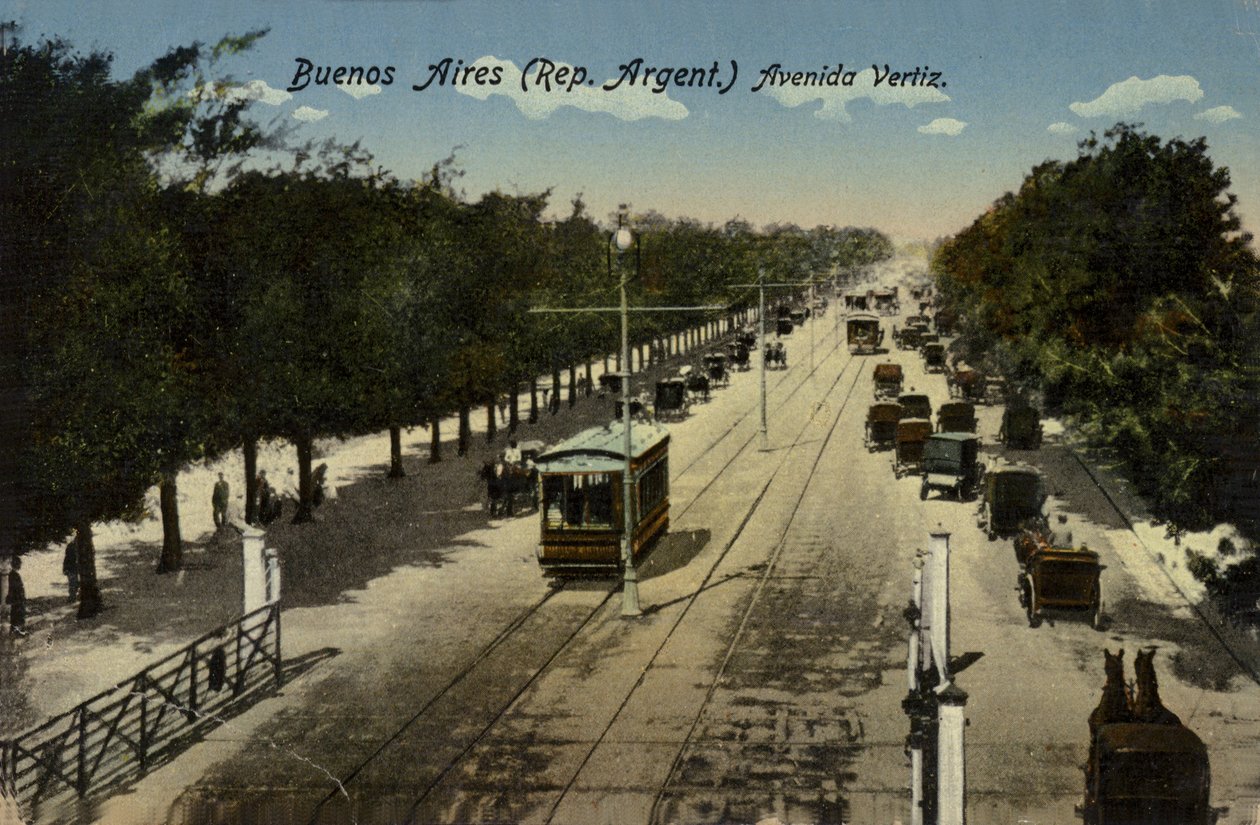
[[581, 507], [864, 333]]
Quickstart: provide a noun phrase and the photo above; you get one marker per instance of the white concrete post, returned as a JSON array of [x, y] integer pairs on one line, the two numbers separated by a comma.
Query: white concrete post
[[912, 677], [939, 545], [253, 568], [271, 563], [951, 774]]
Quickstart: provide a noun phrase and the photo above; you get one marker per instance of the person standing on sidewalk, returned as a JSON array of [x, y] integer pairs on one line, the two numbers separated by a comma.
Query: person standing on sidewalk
[[219, 501], [70, 568], [17, 598]]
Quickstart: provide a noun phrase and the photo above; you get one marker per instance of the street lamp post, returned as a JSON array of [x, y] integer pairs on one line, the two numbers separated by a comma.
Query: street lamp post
[[761, 349], [630, 577]]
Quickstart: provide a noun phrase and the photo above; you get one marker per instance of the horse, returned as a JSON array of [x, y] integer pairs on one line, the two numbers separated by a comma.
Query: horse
[[698, 384], [1147, 706], [1113, 707]]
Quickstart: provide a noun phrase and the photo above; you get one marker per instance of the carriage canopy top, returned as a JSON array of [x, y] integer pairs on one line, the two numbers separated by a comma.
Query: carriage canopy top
[[600, 449]]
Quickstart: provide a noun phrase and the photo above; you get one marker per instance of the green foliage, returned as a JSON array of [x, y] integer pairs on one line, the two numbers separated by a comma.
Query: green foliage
[[1118, 284]]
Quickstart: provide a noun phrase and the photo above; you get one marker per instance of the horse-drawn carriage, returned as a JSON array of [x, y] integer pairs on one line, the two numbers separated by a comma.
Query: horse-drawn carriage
[[1021, 428], [888, 380], [715, 368], [748, 336], [886, 302], [951, 464], [783, 326], [911, 436], [697, 381], [915, 405], [857, 302], [610, 384], [907, 337], [956, 417], [1014, 498], [864, 334], [737, 351], [933, 356], [508, 480], [775, 356], [881, 426], [1058, 578], [966, 383], [1144, 765], [820, 307], [798, 317], [672, 402]]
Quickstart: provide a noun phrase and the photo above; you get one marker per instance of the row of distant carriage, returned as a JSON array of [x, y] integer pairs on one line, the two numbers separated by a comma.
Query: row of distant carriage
[[1053, 574]]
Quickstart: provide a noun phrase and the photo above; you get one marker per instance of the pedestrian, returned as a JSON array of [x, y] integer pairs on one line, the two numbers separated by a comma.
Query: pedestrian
[[70, 568], [318, 479], [263, 490], [219, 502], [17, 598], [512, 455], [503, 409]]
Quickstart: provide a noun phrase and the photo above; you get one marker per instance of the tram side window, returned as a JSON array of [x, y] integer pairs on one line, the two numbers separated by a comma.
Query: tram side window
[[654, 486], [577, 501]]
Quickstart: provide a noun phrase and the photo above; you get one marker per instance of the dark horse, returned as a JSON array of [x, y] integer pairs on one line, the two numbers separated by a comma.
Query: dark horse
[[1147, 706], [506, 481], [1113, 707]]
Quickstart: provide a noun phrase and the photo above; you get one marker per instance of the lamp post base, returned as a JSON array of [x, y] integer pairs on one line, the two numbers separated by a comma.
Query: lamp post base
[[630, 593]]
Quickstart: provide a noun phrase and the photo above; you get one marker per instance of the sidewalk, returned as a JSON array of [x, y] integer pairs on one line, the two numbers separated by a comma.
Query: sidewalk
[[370, 527]]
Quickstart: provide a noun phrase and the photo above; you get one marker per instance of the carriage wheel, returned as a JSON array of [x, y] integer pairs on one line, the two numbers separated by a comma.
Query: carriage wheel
[[1030, 607]]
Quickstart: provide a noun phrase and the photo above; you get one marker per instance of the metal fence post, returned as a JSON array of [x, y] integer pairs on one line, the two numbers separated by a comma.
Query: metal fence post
[[275, 610], [81, 781]]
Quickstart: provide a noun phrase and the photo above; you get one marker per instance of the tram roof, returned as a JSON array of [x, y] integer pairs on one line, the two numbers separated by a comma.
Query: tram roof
[[601, 449]]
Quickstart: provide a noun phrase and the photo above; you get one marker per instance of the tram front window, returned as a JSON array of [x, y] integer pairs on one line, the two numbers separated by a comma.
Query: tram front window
[[578, 501]]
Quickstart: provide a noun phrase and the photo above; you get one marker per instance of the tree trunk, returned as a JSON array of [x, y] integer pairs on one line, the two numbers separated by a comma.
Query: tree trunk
[[435, 440], [605, 363], [533, 400], [395, 453], [465, 429], [589, 381], [572, 384], [514, 409], [491, 426], [90, 602], [172, 557], [250, 449], [553, 406], [305, 447]]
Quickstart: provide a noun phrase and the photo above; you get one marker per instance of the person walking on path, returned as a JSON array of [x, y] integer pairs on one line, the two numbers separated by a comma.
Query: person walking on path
[[70, 568], [219, 501], [263, 511], [17, 598]]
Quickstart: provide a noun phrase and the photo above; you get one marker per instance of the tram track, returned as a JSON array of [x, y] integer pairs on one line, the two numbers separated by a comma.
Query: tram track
[[342, 791], [708, 578]]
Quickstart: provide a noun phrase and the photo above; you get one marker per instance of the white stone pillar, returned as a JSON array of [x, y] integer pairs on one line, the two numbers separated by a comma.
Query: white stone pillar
[[253, 568], [951, 774], [271, 564]]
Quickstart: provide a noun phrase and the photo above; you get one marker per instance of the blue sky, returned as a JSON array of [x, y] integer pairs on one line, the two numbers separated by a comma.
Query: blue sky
[[1023, 81]]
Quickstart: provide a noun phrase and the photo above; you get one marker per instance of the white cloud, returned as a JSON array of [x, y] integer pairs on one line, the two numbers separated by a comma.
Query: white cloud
[[1061, 128], [358, 91], [258, 90], [943, 126], [1219, 114], [1128, 96], [625, 102], [309, 115], [253, 90], [834, 98]]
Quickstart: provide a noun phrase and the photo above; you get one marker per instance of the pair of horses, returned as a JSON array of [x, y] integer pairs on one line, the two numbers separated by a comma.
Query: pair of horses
[[776, 355], [505, 481]]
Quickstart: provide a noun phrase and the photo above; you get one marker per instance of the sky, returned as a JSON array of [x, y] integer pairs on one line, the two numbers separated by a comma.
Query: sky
[[1001, 86]]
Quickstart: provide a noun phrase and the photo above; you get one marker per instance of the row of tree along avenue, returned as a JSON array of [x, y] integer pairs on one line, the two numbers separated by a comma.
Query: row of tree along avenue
[[179, 282], [1120, 287]]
